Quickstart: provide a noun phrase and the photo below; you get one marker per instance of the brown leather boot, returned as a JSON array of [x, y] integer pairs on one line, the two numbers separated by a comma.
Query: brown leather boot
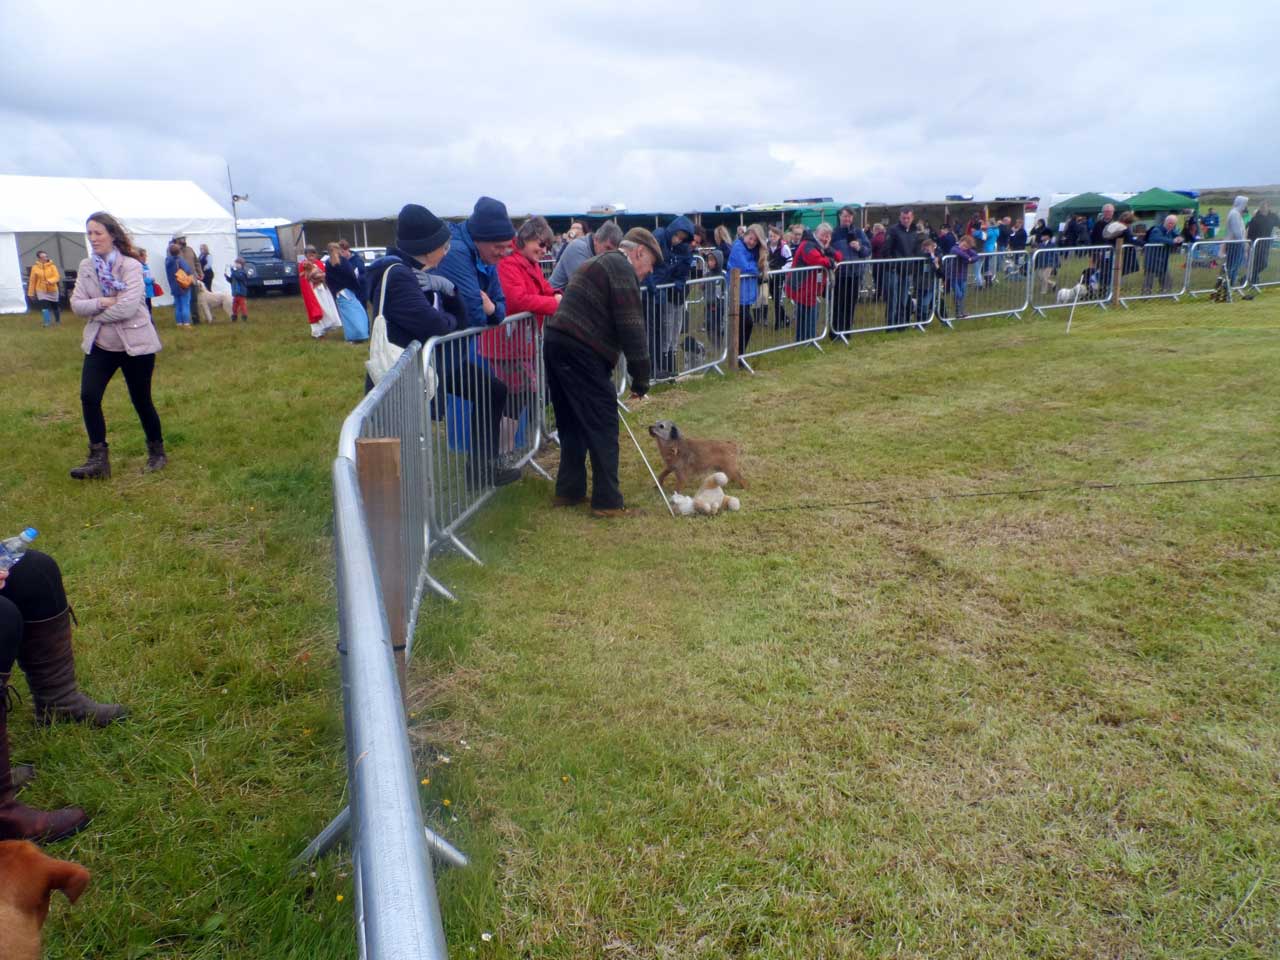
[[97, 467], [46, 658], [17, 820], [156, 459]]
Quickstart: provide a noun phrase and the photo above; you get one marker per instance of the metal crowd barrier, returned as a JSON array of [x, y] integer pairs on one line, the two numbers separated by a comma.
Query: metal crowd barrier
[[548, 267], [685, 332], [1208, 258], [790, 310], [394, 893], [1152, 272], [487, 396], [995, 286], [396, 409], [1088, 267], [1264, 263], [397, 912], [869, 296]]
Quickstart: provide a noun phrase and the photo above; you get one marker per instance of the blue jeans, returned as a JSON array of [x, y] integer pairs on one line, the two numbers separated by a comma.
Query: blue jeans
[[182, 307], [806, 321], [957, 288]]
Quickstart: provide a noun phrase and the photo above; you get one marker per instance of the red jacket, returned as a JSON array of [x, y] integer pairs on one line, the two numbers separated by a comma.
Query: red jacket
[[526, 290], [306, 271], [805, 288]]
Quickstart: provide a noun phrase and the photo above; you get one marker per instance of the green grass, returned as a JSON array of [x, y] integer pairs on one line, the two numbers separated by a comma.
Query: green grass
[[1040, 726]]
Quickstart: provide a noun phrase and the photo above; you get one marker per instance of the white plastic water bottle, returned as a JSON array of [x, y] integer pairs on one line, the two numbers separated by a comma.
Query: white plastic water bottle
[[13, 549]]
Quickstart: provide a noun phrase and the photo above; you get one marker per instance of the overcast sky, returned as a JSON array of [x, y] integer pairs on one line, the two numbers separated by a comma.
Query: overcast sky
[[354, 108]]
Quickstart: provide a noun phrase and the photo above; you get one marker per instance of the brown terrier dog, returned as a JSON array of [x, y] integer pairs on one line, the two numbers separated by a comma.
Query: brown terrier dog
[[691, 460], [27, 880]]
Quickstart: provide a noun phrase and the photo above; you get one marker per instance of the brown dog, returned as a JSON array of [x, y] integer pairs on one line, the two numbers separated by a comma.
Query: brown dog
[[691, 460], [27, 880]]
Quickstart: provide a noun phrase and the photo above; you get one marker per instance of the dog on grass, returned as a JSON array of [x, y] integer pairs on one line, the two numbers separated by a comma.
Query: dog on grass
[[27, 881], [691, 460], [1081, 291]]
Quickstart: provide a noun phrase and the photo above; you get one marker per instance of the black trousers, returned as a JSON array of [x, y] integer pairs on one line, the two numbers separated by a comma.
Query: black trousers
[[99, 367], [33, 591], [586, 403], [746, 324]]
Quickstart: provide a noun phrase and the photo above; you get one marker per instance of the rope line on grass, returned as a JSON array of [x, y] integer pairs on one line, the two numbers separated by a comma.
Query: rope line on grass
[[1025, 492]]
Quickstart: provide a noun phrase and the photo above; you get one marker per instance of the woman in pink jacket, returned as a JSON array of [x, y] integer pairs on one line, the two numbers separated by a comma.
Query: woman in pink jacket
[[118, 336], [510, 348]]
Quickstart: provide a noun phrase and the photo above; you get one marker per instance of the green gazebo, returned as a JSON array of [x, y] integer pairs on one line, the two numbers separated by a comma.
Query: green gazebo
[[1157, 200], [1087, 203]]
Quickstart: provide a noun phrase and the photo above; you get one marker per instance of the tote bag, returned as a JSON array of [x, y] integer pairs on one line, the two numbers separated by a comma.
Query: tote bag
[[383, 354]]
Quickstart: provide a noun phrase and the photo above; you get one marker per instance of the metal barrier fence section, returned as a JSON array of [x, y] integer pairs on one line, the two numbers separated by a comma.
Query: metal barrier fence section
[[685, 326], [487, 395], [867, 296], [993, 285], [396, 908], [1067, 276], [1264, 263], [1210, 258], [1152, 272], [788, 309], [396, 409], [548, 267]]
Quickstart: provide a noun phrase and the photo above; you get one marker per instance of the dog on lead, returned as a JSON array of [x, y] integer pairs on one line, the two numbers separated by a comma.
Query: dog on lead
[[27, 881], [1083, 290], [691, 460]]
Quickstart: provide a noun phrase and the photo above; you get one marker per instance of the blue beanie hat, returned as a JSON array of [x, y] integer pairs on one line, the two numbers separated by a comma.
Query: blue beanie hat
[[489, 221], [419, 231]]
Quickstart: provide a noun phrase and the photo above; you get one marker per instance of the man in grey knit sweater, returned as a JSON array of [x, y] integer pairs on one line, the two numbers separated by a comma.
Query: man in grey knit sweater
[[599, 317]]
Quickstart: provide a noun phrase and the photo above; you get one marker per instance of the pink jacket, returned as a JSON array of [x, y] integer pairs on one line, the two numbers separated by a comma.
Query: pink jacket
[[128, 316]]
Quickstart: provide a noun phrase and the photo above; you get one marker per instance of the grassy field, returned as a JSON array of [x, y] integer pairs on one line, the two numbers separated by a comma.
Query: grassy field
[[1007, 726]]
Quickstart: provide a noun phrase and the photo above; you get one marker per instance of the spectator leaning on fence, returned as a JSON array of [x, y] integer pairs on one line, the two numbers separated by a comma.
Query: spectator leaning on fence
[[422, 241], [471, 264], [805, 287], [1162, 240], [512, 348], [851, 243], [1261, 227], [779, 260], [582, 249], [965, 255], [902, 242], [1236, 251], [43, 287], [749, 254], [666, 306], [599, 318]]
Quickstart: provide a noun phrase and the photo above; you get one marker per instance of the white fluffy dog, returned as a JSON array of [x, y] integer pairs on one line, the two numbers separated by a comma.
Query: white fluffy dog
[[708, 501], [1081, 291]]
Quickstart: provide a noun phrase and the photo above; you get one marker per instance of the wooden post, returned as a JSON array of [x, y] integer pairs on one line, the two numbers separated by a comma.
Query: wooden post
[[1117, 270], [378, 472], [731, 321]]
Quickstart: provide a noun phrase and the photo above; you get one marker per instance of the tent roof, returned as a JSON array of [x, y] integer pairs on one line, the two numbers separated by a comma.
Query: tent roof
[[61, 204], [1089, 203], [1157, 200]]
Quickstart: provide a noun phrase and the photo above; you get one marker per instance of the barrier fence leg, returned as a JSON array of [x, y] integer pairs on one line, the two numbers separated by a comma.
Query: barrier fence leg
[[731, 322], [331, 836], [378, 471]]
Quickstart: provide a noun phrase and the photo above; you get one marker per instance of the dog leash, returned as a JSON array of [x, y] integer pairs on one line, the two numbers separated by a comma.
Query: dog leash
[[622, 415]]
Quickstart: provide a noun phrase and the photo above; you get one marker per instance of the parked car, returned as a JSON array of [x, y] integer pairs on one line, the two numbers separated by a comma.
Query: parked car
[[266, 269]]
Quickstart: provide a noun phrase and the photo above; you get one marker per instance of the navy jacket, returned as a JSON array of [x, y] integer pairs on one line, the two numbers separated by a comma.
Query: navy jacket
[[900, 242], [409, 314], [239, 281], [841, 240], [677, 258], [469, 274], [342, 275], [947, 242]]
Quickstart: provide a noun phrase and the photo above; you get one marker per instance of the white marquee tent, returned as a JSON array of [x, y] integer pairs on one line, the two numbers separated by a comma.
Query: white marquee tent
[[48, 213]]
